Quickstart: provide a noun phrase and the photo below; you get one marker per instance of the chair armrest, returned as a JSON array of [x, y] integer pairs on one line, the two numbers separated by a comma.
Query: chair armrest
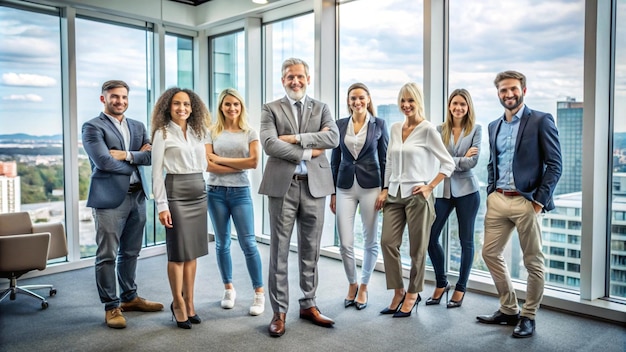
[[58, 242], [24, 252]]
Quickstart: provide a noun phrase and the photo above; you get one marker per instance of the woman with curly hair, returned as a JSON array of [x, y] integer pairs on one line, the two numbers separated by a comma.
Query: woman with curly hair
[[232, 149], [179, 132]]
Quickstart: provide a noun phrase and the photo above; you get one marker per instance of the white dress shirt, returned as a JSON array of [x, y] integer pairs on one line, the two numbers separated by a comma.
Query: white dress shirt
[[417, 160], [175, 155]]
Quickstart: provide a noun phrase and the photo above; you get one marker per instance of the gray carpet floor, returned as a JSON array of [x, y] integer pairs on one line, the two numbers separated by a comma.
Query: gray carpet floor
[[74, 320]]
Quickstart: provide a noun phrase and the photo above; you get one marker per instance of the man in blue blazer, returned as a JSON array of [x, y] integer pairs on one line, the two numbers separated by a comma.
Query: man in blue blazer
[[524, 168], [117, 148]]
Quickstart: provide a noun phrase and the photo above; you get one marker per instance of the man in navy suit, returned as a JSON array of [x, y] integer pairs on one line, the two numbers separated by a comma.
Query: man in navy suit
[[524, 168], [117, 148]]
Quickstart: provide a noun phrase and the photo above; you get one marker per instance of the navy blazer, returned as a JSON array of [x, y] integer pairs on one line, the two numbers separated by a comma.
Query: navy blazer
[[110, 178], [537, 161], [369, 167]]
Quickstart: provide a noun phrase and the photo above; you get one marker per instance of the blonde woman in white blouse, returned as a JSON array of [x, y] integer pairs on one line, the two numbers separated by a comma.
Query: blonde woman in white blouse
[[417, 161], [179, 133]]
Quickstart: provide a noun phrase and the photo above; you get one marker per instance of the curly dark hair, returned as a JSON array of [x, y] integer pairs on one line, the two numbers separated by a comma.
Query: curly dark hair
[[199, 120]]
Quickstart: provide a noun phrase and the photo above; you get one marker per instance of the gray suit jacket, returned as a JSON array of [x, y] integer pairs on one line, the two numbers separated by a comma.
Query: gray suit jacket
[[276, 120], [463, 181], [110, 178]]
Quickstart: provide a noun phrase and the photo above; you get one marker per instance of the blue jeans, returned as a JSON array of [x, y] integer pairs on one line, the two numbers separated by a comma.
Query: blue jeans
[[119, 235], [466, 211], [225, 202]]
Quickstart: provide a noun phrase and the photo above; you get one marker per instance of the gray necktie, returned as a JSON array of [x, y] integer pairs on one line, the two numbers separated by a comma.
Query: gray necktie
[[299, 108]]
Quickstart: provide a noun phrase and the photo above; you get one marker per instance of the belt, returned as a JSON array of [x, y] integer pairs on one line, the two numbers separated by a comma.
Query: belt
[[300, 177], [135, 187], [508, 193]]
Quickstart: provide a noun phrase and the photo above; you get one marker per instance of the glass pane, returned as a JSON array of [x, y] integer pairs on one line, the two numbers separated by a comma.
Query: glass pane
[[617, 263], [95, 64], [383, 61], [178, 61], [529, 37], [228, 64], [293, 37], [31, 116]]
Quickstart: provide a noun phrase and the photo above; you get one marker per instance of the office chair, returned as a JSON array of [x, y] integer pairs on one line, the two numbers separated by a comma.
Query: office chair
[[24, 247]]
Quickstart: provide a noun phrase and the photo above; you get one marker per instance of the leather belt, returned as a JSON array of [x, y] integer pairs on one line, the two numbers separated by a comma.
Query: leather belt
[[300, 177], [508, 193], [135, 187]]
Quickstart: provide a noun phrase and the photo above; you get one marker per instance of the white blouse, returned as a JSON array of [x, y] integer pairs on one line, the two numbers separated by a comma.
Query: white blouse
[[175, 155], [355, 141], [417, 160]]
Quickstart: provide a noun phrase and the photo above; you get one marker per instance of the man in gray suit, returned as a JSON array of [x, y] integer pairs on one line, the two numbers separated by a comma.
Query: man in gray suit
[[117, 147], [295, 131]]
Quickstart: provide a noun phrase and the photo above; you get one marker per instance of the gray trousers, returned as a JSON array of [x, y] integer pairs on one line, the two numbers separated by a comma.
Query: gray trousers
[[298, 205]]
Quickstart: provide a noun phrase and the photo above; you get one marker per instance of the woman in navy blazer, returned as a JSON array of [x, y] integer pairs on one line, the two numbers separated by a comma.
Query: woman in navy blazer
[[462, 137], [358, 166]]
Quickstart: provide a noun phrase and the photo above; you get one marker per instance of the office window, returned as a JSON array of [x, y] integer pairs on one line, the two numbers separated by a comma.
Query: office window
[[543, 40], [555, 264], [293, 37], [31, 115], [389, 64], [573, 239], [556, 278], [178, 61], [95, 64], [227, 65], [573, 253], [573, 281], [557, 251], [618, 176], [573, 267]]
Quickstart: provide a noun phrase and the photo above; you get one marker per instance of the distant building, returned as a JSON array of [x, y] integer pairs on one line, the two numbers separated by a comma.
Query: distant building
[[390, 113], [10, 191], [569, 120]]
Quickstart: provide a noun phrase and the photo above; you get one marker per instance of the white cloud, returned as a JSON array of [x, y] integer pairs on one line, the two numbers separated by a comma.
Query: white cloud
[[26, 79], [24, 97]]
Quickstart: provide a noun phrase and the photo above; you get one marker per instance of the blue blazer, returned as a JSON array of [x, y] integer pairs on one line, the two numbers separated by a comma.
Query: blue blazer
[[537, 157], [110, 178], [369, 167], [463, 181]]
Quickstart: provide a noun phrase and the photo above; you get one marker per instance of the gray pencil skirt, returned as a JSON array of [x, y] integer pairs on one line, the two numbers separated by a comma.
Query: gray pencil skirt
[[186, 196]]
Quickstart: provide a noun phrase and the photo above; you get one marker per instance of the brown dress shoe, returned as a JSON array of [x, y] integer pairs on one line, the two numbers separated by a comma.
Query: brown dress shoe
[[314, 315], [141, 305], [277, 326], [114, 318]]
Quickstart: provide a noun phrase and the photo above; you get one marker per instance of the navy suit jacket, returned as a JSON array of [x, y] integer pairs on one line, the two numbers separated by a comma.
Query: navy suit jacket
[[369, 167], [537, 157], [110, 178]]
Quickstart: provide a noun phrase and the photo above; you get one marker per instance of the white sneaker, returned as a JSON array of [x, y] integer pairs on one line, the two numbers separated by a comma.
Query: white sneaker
[[228, 301], [258, 304]]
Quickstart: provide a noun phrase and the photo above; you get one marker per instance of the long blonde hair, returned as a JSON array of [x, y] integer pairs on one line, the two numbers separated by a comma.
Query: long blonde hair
[[414, 91], [218, 126], [469, 120]]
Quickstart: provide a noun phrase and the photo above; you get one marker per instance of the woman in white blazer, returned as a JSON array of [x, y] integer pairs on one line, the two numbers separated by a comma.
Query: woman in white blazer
[[461, 136]]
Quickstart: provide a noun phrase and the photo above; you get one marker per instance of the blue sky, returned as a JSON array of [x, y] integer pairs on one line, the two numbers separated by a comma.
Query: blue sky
[[381, 46]]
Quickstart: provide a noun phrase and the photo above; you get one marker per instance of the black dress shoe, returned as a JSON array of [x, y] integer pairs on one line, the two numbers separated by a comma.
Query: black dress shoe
[[195, 319], [350, 302], [499, 318], [360, 305], [524, 328]]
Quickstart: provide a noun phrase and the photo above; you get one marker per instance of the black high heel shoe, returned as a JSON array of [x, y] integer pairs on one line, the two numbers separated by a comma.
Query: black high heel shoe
[[350, 302], [433, 301], [456, 304], [401, 314], [388, 310], [195, 319], [181, 324], [360, 305]]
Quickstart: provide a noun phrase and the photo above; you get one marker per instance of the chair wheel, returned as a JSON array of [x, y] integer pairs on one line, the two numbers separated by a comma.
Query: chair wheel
[[44, 305], [53, 292], [12, 296]]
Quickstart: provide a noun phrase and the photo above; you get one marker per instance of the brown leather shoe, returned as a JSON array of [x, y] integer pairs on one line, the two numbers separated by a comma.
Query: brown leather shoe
[[114, 318], [142, 305], [314, 315], [277, 326]]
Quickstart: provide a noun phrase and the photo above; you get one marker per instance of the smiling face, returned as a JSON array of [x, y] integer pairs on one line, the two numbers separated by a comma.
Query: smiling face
[[295, 80], [408, 106], [180, 108], [511, 94], [458, 109], [231, 108], [115, 101], [358, 100]]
